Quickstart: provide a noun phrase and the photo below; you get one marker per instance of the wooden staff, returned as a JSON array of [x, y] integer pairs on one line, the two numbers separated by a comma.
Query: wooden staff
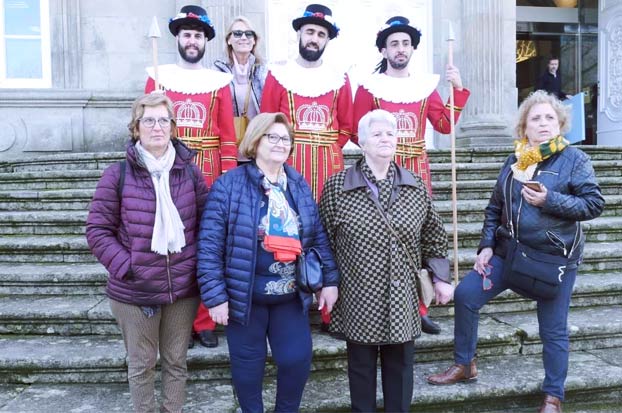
[[154, 34], [452, 123]]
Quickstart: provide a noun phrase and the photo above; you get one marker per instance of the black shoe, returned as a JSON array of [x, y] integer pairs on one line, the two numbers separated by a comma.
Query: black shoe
[[324, 327], [207, 338], [191, 341], [428, 326]]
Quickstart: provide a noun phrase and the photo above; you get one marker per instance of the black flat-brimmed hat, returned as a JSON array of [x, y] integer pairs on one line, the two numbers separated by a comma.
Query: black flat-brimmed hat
[[397, 24], [192, 15], [320, 15]]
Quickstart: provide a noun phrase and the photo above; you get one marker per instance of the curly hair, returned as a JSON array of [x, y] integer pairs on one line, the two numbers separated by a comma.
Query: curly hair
[[538, 97]]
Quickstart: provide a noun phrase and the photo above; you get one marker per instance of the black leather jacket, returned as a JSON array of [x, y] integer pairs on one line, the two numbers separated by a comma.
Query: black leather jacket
[[573, 196]]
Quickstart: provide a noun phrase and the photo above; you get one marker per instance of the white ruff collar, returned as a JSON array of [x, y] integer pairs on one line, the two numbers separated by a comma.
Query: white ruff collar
[[308, 82], [191, 82], [413, 88]]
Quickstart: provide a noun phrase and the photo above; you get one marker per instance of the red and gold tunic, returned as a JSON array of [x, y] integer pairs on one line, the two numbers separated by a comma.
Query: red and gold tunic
[[411, 100], [202, 105], [318, 103]]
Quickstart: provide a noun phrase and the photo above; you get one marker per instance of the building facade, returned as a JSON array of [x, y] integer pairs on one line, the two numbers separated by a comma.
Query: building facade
[[69, 69]]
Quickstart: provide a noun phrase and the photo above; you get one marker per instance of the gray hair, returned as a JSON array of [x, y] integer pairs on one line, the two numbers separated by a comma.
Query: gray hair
[[374, 116]]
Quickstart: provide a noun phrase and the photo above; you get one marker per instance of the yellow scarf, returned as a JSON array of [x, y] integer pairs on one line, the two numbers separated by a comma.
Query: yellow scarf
[[528, 157]]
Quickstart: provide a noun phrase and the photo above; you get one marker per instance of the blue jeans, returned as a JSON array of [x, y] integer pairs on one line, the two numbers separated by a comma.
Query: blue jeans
[[288, 331], [470, 297]]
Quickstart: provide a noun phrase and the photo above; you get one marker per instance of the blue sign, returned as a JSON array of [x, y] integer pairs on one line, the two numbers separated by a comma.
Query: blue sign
[[577, 121]]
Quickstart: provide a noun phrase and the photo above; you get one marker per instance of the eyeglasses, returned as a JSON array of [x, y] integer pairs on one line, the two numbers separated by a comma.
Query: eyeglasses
[[150, 122], [274, 138], [248, 33], [487, 282]]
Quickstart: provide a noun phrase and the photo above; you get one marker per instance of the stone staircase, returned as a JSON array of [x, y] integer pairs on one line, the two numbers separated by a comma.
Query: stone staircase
[[60, 349]]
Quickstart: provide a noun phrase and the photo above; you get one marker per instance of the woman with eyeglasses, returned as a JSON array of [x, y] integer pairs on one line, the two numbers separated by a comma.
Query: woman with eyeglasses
[[246, 66], [258, 218], [142, 226]]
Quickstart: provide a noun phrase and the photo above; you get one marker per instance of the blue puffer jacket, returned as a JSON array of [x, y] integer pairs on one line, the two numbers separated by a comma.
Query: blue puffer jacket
[[573, 196], [228, 238]]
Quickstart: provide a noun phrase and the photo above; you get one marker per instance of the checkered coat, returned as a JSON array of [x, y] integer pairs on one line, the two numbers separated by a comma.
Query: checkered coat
[[378, 301]]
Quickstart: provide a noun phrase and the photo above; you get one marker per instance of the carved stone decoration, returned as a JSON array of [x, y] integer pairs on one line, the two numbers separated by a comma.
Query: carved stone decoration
[[613, 55], [8, 135]]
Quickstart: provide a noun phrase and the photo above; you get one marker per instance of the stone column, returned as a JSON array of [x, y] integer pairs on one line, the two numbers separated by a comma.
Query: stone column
[[488, 69], [610, 73]]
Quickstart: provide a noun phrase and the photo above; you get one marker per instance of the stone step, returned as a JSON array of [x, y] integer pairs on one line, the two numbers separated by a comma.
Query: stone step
[[45, 249], [101, 359], [63, 161], [473, 210], [490, 170], [99, 160], [482, 189], [597, 256], [52, 279], [441, 174], [90, 314], [56, 200], [42, 222], [505, 384], [40, 180], [601, 229]]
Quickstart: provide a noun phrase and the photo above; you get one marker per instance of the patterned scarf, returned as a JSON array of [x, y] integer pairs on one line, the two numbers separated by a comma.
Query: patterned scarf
[[383, 186], [529, 157], [281, 222]]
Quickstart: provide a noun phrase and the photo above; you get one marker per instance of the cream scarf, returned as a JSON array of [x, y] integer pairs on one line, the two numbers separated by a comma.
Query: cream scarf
[[168, 229]]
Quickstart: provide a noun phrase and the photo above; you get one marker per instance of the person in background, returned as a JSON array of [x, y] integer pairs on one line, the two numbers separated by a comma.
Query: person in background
[[412, 98], [383, 228], [143, 226], [551, 81], [202, 106], [246, 66], [547, 219], [257, 220]]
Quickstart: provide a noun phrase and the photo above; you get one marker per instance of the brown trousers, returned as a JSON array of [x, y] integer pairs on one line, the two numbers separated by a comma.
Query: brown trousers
[[168, 330]]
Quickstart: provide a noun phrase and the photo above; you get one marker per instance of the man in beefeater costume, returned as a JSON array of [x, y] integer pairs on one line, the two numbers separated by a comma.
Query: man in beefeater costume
[[413, 99], [315, 96], [203, 107]]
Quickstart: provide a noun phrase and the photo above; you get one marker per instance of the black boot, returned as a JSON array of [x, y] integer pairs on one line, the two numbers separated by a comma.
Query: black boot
[[207, 338], [428, 326]]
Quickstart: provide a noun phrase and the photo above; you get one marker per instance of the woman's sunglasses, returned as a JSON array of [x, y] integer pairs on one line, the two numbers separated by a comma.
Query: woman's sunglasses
[[248, 33]]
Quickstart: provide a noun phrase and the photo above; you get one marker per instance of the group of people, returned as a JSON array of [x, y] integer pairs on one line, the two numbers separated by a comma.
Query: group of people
[[197, 228]]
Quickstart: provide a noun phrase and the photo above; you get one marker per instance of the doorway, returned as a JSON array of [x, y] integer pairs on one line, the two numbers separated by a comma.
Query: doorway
[[544, 29]]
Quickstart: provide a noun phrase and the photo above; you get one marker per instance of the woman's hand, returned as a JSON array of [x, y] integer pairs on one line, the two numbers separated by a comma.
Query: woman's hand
[[452, 75], [220, 313], [482, 259], [443, 292], [327, 297], [535, 198]]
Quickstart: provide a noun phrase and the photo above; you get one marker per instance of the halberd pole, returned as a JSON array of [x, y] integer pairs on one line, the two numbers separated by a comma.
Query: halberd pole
[[452, 122]]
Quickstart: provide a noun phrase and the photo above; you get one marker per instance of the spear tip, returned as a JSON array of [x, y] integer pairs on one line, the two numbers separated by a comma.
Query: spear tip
[[450, 31], [154, 30]]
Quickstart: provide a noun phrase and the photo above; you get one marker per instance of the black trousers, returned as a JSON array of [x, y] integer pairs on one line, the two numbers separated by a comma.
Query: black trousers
[[396, 363]]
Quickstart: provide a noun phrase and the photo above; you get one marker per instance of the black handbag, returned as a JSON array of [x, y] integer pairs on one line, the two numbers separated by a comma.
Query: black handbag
[[532, 273], [529, 272], [309, 271]]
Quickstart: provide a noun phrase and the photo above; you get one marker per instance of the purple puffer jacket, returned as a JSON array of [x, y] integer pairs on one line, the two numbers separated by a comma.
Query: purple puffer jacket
[[119, 233]]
